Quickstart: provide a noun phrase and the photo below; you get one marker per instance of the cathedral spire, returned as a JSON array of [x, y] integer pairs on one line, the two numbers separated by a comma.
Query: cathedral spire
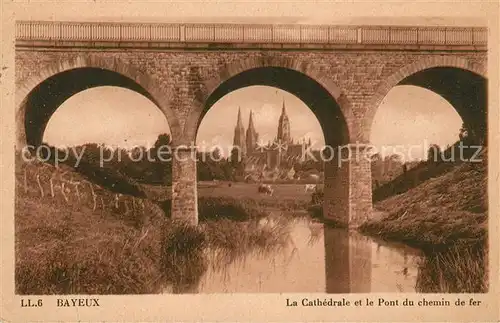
[[284, 126], [252, 136], [239, 133], [250, 121], [283, 109], [239, 122]]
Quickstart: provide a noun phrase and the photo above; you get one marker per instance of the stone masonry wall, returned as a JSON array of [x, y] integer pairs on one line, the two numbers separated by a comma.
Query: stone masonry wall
[[336, 192], [360, 193], [184, 188]]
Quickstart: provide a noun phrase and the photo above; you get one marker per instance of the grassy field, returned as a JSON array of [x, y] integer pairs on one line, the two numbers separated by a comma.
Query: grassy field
[[286, 197], [237, 190], [241, 190]]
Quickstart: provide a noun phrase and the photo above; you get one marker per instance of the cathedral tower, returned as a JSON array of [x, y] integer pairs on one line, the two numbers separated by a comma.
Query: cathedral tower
[[239, 134], [284, 127], [252, 136]]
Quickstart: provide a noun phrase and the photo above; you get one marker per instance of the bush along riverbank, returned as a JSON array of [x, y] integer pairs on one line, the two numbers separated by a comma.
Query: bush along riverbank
[[446, 217], [76, 237]]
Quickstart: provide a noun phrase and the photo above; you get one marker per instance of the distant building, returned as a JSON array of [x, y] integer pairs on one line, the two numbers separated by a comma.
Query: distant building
[[282, 152]]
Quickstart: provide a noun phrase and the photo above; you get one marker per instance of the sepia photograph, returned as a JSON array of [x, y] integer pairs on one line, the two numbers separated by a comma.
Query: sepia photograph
[[261, 155]]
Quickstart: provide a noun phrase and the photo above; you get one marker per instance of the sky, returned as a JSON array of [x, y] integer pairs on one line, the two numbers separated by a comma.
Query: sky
[[117, 117], [416, 12], [408, 115], [414, 116], [401, 21], [266, 104]]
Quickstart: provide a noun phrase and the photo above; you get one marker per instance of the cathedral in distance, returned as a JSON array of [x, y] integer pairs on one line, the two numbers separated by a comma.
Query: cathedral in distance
[[280, 153]]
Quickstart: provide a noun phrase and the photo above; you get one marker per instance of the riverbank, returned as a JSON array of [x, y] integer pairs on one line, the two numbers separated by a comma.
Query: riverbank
[[450, 210], [61, 251], [89, 240], [445, 217]]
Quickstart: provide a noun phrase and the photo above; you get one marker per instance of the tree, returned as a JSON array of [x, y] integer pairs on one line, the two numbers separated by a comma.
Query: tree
[[376, 158], [163, 140], [161, 163], [464, 132], [434, 153], [216, 155], [236, 161], [236, 156]]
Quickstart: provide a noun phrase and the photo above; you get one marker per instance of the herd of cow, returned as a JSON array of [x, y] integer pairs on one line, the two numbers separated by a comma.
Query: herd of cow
[[268, 189]]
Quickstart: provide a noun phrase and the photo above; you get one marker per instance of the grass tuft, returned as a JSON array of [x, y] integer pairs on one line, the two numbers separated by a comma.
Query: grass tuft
[[183, 260], [455, 270]]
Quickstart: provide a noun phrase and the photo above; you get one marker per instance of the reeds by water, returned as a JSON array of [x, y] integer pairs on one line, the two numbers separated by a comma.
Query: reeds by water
[[456, 270]]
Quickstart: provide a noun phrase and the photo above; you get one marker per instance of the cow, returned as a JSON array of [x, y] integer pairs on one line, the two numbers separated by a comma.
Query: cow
[[266, 189], [314, 177], [310, 188]]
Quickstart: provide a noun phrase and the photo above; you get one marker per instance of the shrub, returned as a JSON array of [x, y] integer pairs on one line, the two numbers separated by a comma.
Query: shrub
[[183, 258]]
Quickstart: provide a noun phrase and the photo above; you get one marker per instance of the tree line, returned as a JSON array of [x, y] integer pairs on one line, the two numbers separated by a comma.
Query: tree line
[[125, 165]]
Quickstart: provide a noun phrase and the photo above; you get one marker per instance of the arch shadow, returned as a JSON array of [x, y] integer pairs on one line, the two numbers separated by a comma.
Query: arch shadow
[[325, 107], [462, 83], [270, 70], [41, 95]]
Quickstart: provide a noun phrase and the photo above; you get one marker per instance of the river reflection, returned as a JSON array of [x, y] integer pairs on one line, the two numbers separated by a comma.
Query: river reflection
[[316, 258]]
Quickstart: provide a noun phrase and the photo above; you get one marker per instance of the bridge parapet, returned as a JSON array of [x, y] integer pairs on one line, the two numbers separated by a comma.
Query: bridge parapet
[[249, 33]]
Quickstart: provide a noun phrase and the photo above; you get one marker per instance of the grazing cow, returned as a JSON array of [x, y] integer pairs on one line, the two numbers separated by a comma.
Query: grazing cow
[[314, 177], [310, 188], [266, 189]]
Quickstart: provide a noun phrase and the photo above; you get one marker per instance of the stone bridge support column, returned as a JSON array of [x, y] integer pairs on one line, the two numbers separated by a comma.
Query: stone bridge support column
[[184, 187], [20, 133], [348, 186]]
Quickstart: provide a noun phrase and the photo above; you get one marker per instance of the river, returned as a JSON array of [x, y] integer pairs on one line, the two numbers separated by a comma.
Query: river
[[318, 258]]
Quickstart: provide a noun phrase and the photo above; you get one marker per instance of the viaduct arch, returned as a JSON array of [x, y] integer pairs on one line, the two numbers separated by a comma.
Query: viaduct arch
[[341, 73], [459, 81], [41, 95], [319, 93]]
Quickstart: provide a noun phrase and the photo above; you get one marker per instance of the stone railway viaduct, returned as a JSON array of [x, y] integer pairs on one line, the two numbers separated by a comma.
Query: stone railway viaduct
[[341, 73]]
